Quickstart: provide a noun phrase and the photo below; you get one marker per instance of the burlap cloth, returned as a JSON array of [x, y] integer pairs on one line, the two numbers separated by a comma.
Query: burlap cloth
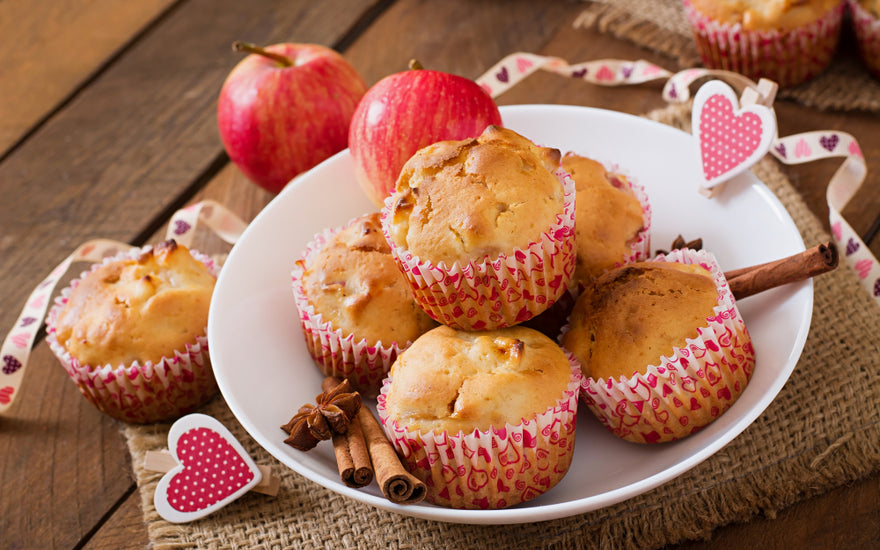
[[661, 26], [820, 432]]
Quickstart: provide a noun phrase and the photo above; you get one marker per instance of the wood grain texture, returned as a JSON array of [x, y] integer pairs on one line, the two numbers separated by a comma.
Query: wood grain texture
[[127, 147], [118, 157], [50, 48], [473, 36], [139, 141], [847, 517], [59, 458], [123, 529]]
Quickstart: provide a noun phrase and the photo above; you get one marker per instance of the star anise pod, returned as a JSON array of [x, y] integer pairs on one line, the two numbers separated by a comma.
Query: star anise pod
[[679, 242], [331, 414]]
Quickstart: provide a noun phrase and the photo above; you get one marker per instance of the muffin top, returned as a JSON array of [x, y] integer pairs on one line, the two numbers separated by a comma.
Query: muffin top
[[762, 15], [355, 284], [608, 217], [455, 381], [460, 201], [873, 6], [137, 309], [632, 315]]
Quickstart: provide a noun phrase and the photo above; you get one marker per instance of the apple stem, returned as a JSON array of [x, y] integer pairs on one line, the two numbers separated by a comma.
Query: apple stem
[[240, 46], [414, 65]]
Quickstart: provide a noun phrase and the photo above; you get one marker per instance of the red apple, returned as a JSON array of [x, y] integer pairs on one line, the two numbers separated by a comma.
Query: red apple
[[406, 111], [285, 108]]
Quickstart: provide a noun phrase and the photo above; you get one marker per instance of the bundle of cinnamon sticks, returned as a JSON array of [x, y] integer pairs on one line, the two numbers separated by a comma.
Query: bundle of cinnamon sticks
[[363, 452]]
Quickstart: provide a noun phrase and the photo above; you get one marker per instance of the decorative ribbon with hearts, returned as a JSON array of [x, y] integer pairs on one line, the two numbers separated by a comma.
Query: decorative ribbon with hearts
[[809, 146], [17, 346], [754, 136]]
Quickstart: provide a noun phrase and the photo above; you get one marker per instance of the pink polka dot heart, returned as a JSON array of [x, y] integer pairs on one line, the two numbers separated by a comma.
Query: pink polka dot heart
[[213, 470], [730, 139]]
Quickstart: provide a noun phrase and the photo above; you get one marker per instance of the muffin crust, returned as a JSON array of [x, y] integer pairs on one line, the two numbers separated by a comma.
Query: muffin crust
[[631, 316], [137, 309], [455, 381], [355, 284], [461, 201], [608, 217], [765, 15]]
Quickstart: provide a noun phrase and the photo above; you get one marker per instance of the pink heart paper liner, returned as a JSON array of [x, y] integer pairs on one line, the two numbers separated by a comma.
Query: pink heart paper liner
[[730, 138], [213, 470]]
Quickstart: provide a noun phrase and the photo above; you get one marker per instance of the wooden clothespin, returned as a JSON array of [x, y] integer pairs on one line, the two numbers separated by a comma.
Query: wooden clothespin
[[732, 135], [162, 461], [206, 469]]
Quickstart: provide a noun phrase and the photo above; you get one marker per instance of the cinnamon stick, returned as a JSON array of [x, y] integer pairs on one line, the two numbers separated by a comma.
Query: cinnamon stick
[[397, 484], [814, 261], [350, 448]]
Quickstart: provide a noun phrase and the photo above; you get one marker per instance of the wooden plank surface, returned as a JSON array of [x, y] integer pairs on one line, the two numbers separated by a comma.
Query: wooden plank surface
[[844, 518], [139, 141], [125, 151], [52, 47], [127, 147]]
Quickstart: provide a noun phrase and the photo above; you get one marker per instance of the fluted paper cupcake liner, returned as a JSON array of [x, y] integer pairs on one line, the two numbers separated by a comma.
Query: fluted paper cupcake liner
[[135, 393], [495, 468], [867, 29], [498, 292], [786, 57], [640, 247], [335, 353], [688, 390]]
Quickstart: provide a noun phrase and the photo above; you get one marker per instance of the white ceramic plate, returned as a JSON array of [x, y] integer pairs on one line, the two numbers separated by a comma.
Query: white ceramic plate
[[266, 374]]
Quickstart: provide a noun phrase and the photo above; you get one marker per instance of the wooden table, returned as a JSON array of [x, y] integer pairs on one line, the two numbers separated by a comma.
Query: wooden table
[[107, 126]]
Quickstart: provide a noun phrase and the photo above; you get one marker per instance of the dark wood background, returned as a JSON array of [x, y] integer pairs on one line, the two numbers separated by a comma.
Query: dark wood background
[[108, 125]]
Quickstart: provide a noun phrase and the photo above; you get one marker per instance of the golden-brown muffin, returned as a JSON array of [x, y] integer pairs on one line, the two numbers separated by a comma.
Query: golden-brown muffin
[[458, 201], [765, 14], [137, 309], [456, 381], [872, 6], [608, 218], [355, 284], [631, 316], [865, 18], [487, 420], [787, 41], [663, 347]]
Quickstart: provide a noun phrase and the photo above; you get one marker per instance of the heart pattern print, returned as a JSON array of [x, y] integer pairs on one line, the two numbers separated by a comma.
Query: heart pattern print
[[730, 139], [727, 139], [214, 470], [844, 184], [609, 72]]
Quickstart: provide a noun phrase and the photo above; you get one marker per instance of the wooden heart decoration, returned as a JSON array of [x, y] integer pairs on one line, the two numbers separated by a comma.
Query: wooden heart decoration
[[213, 470], [730, 138]]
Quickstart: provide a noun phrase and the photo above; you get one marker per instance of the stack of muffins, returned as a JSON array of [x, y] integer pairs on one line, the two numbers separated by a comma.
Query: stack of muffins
[[488, 234]]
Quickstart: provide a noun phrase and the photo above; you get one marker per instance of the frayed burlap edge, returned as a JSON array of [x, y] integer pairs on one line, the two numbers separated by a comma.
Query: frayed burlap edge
[[661, 26], [822, 431]]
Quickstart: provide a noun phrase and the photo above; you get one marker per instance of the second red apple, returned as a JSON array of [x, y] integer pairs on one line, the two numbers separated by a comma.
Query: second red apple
[[406, 111]]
